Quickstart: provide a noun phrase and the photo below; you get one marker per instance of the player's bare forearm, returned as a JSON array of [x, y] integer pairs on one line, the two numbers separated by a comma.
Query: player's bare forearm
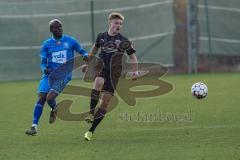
[[134, 62], [134, 65], [93, 51]]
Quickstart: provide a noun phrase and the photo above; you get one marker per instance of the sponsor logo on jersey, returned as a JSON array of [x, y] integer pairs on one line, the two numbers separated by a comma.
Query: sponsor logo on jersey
[[66, 45], [59, 57]]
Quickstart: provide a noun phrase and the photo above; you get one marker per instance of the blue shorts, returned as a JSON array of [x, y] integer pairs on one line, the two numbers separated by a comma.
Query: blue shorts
[[56, 85]]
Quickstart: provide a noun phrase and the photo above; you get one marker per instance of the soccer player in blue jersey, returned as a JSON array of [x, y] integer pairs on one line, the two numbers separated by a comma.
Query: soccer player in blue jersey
[[55, 52]]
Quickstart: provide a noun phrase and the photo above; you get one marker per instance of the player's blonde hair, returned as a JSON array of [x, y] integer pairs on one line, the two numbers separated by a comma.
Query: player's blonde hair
[[115, 15]]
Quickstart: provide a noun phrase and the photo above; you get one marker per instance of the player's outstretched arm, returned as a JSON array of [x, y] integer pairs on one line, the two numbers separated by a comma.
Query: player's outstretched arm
[[78, 48], [93, 51]]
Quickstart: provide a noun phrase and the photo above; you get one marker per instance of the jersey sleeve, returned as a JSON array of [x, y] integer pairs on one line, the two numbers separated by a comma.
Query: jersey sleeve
[[43, 52], [77, 47], [98, 40], [43, 64], [44, 56], [131, 50]]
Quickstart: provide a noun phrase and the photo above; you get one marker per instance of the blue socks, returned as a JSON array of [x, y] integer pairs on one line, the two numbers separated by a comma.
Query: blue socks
[[39, 108], [37, 113]]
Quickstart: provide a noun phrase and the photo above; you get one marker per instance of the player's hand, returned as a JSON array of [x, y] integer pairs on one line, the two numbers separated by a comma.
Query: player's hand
[[47, 71], [134, 75], [84, 68], [86, 58]]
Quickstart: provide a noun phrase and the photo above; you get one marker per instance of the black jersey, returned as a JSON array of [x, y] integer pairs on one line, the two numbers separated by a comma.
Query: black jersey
[[113, 46]]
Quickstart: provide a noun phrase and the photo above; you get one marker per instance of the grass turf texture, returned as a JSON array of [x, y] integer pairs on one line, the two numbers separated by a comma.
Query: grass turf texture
[[210, 131]]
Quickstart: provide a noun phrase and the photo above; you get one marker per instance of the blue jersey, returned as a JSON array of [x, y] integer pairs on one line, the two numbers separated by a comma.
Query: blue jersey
[[55, 53]]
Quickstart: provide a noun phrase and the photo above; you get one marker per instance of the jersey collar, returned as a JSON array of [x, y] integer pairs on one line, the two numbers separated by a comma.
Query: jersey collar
[[58, 39]]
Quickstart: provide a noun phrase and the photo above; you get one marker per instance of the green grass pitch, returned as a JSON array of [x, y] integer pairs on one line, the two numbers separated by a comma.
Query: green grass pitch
[[188, 129]]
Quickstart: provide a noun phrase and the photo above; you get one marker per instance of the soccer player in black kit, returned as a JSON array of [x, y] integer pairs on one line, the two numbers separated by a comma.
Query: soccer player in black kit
[[108, 69]]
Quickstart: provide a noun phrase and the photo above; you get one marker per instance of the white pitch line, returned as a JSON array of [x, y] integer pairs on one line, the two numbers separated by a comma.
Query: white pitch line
[[7, 48], [86, 12], [220, 8], [220, 40]]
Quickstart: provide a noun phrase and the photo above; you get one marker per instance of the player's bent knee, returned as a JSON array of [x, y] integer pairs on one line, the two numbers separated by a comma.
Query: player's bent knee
[[98, 84], [51, 96], [104, 105], [42, 98], [51, 101]]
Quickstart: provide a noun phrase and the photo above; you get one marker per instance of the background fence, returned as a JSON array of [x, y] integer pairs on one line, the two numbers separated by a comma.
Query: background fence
[[158, 32], [218, 22]]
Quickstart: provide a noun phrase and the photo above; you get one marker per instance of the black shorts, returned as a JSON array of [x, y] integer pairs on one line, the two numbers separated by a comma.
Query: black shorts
[[111, 76]]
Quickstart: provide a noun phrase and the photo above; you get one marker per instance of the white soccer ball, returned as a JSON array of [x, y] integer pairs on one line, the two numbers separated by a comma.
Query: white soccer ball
[[199, 90]]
